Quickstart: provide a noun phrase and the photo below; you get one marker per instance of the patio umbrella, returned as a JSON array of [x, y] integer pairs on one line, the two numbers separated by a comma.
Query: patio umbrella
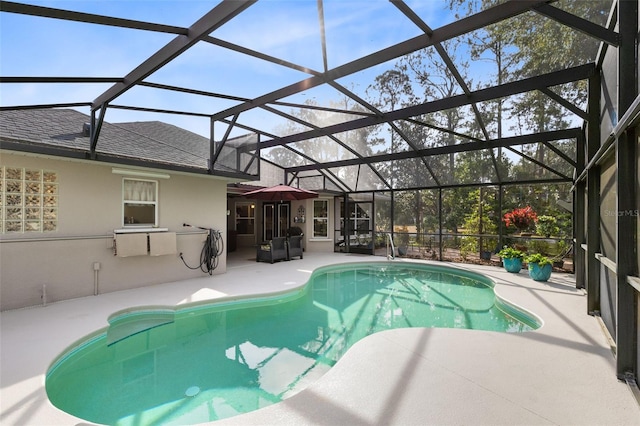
[[280, 193]]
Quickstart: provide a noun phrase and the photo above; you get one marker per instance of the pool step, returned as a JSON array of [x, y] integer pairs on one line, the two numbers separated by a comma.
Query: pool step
[[126, 323]]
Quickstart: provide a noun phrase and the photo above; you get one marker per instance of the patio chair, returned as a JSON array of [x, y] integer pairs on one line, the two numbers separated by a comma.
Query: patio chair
[[276, 249], [294, 246]]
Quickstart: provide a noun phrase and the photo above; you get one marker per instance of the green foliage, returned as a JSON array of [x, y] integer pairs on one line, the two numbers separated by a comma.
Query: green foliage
[[473, 222], [547, 226], [529, 45], [538, 246], [543, 199], [490, 244], [565, 224], [468, 245], [538, 258], [428, 211], [417, 208], [510, 253], [478, 221], [455, 207], [561, 248]]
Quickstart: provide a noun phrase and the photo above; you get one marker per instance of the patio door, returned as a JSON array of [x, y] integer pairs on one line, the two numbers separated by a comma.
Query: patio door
[[275, 220], [360, 226], [355, 232]]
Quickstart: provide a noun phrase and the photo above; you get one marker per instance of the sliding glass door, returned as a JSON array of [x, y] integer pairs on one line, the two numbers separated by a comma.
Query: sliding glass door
[[275, 220]]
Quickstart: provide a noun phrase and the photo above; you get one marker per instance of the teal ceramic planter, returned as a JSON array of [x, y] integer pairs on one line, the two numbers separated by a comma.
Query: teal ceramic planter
[[538, 273], [512, 264]]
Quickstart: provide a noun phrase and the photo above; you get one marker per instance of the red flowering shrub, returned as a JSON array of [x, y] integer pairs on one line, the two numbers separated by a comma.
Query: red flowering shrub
[[521, 218]]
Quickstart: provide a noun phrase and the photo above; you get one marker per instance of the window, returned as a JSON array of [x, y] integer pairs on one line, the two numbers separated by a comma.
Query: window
[[139, 202], [320, 219], [245, 218], [28, 200]]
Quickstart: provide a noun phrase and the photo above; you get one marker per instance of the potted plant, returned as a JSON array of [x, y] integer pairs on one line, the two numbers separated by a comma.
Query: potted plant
[[547, 226], [522, 218], [511, 259], [539, 267]]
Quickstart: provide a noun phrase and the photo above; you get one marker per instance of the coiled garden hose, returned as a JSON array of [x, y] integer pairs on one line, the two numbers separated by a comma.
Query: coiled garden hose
[[211, 250]]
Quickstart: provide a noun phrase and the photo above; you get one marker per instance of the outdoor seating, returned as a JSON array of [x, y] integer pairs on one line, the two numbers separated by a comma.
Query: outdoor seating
[[294, 246], [276, 249]]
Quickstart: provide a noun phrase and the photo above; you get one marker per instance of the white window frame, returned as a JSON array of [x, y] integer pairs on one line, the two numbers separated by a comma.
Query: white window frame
[[154, 202], [324, 218]]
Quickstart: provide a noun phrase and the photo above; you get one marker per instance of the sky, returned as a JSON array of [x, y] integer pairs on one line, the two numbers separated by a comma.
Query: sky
[[34, 46]]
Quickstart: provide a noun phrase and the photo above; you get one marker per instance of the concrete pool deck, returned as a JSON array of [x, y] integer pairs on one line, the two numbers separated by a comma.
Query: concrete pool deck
[[561, 374]]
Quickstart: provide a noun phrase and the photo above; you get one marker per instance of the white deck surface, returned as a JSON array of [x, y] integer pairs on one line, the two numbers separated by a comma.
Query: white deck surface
[[561, 374]]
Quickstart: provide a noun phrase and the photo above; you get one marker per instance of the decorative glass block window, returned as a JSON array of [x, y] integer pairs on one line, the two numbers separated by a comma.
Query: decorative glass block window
[[246, 218], [320, 218], [139, 202], [29, 200]]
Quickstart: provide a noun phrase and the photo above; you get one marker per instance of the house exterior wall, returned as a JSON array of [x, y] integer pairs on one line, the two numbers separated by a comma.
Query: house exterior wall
[[310, 243], [315, 244], [89, 210]]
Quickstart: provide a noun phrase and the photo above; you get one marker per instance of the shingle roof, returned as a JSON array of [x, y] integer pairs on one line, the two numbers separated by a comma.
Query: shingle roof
[[153, 141]]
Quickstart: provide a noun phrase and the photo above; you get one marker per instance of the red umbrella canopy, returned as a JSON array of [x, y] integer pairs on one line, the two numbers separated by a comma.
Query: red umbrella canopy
[[281, 193]]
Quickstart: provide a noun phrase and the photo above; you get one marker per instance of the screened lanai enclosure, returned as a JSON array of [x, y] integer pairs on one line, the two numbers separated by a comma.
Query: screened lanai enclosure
[[425, 122]]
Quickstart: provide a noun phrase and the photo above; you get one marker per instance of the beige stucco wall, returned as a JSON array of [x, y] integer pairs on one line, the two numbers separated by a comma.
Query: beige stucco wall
[[316, 244], [89, 210]]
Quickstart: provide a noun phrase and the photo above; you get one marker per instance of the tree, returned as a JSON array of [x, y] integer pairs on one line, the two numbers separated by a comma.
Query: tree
[[480, 220], [532, 44], [345, 145], [438, 81], [391, 90]]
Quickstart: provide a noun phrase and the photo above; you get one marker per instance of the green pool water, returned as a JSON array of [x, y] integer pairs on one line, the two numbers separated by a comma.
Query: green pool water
[[210, 362]]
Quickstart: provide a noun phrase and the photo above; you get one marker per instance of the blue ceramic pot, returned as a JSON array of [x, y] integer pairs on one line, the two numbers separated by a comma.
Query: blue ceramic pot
[[538, 273], [512, 264]]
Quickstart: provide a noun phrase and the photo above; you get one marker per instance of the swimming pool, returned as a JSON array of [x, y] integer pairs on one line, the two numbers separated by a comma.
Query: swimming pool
[[202, 363]]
